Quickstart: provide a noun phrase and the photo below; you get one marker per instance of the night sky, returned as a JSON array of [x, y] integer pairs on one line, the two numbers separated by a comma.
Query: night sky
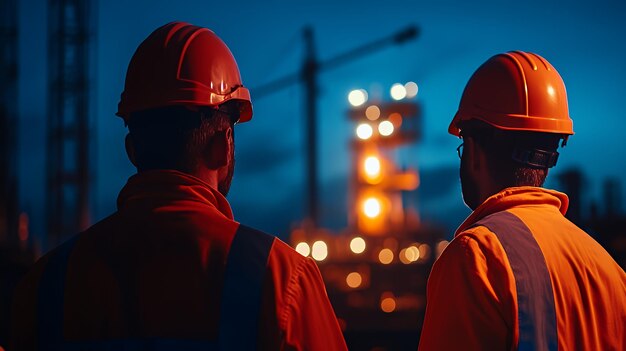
[[583, 40]]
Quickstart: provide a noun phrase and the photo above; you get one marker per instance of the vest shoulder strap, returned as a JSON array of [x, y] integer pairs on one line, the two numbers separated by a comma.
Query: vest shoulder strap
[[535, 296]]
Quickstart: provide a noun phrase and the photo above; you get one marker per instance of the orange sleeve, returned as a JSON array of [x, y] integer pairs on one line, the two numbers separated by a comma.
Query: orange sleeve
[[470, 298], [308, 320]]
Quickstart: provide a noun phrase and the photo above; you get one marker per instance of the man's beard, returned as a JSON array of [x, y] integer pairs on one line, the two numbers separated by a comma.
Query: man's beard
[[468, 188], [224, 185]]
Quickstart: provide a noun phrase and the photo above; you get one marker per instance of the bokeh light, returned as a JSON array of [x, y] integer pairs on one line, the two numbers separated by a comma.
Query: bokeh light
[[441, 246], [372, 166], [357, 97], [385, 256], [396, 119], [354, 280], [409, 255], [371, 207], [372, 112], [424, 251], [303, 249], [385, 128], [388, 303], [357, 245], [398, 92], [364, 131], [319, 250], [411, 89]]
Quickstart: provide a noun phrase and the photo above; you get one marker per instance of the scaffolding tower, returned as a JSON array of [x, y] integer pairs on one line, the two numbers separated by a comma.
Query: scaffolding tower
[[9, 208], [70, 29]]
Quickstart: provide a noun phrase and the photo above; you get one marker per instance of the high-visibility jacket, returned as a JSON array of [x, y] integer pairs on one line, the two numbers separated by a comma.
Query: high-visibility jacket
[[519, 276], [172, 270]]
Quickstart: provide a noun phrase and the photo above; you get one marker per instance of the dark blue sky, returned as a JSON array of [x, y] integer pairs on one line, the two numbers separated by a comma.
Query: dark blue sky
[[583, 40]]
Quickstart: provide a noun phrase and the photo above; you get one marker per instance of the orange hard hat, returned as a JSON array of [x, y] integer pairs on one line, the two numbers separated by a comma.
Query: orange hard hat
[[516, 91], [183, 64]]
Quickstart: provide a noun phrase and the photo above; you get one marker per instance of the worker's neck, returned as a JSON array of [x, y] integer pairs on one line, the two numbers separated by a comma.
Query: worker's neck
[[209, 176]]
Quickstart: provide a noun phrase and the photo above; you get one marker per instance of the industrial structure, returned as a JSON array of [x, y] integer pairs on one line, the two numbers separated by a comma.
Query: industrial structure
[[308, 75], [376, 269], [69, 142]]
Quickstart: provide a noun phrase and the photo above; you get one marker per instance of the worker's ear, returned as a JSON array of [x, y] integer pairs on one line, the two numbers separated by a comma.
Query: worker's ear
[[130, 149], [217, 154], [476, 157]]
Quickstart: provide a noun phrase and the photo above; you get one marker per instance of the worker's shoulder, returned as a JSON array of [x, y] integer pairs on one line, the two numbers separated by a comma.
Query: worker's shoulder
[[477, 242], [477, 235], [283, 260]]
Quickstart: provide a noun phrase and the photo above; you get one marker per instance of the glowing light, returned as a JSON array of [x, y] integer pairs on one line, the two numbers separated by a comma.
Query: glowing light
[[23, 226], [371, 207], [372, 166], [364, 131], [441, 246], [409, 255], [354, 280], [424, 251], [385, 128], [398, 92], [303, 249], [357, 245], [396, 119], [388, 304], [319, 250], [357, 97], [411, 89], [372, 112], [385, 256]]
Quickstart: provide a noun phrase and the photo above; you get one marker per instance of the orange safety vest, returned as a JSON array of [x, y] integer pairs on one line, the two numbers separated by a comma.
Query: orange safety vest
[[519, 276], [172, 270]]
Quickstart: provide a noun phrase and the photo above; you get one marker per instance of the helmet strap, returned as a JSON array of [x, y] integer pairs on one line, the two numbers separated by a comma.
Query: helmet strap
[[535, 158]]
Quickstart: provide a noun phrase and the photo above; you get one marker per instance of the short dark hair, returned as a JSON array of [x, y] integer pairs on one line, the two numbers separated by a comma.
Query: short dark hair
[[499, 146], [173, 137]]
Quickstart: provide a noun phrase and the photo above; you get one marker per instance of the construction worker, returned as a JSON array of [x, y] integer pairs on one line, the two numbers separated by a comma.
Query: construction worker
[[172, 269], [518, 275]]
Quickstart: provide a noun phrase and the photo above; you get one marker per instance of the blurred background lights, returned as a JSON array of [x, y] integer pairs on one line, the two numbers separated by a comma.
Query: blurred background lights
[[319, 251], [385, 256], [357, 245], [396, 119], [385, 128], [372, 112], [411, 89], [371, 207], [387, 303], [409, 255], [364, 131], [357, 97], [303, 249], [398, 92], [354, 280], [424, 251], [372, 166], [441, 246]]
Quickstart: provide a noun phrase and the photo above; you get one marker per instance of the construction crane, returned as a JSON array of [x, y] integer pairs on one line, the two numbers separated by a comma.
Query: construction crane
[[308, 74], [70, 29]]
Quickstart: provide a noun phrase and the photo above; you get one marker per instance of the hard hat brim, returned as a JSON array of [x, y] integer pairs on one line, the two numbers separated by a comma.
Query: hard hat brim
[[515, 122]]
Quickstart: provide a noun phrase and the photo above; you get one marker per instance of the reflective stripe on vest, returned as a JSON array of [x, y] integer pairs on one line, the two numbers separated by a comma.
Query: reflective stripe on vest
[[535, 297], [239, 310]]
